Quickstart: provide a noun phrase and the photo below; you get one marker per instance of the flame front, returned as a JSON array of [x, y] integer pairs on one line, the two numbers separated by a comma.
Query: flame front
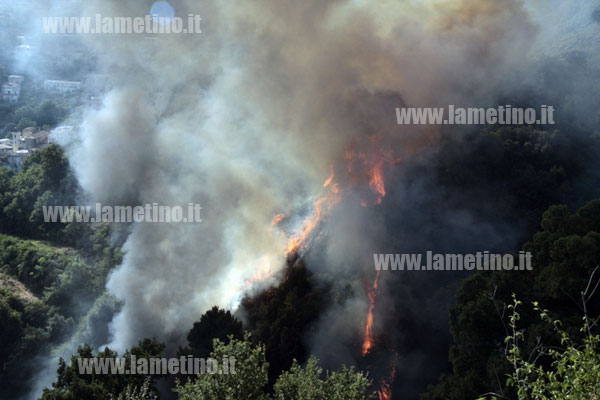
[[368, 340], [376, 182], [385, 391], [331, 176], [323, 206], [361, 168]]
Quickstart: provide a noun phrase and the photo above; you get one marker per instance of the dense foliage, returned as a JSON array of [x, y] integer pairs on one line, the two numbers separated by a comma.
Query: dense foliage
[[250, 379], [514, 173], [46, 288], [214, 324], [281, 316], [565, 252], [31, 113], [574, 371], [72, 385]]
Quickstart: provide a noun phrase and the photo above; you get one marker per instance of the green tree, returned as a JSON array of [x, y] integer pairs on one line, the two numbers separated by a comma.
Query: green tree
[[71, 385], [306, 384], [280, 316], [250, 379], [25, 122], [45, 179], [564, 253], [574, 369], [133, 392], [214, 324], [246, 383], [8, 128], [49, 113], [28, 325]]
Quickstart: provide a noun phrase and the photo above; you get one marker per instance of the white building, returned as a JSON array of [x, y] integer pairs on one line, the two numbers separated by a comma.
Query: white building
[[11, 92], [61, 87], [15, 159], [34, 141], [13, 152], [5, 150], [16, 79]]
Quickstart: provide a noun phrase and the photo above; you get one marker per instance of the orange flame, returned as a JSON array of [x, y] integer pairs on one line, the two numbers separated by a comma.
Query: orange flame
[[261, 274], [373, 162], [277, 219], [361, 167], [385, 391], [376, 183], [368, 340], [323, 206], [331, 175]]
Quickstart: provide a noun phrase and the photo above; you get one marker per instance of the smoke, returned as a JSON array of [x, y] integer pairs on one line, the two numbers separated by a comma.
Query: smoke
[[246, 118]]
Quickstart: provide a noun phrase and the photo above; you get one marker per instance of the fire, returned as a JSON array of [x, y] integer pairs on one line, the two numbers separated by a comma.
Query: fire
[[331, 176], [277, 219], [376, 183], [385, 391], [372, 294], [261, 274], [362, 168], [323, 206], [373, 162]]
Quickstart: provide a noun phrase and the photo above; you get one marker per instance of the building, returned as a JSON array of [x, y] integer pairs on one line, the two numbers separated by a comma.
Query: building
[[11, 92], [16, 79], [16, 159], [8, 149], [13, 152], [40, 139], [16, 141], [61, 87], [30, 140], [5, 150], [28, 131]]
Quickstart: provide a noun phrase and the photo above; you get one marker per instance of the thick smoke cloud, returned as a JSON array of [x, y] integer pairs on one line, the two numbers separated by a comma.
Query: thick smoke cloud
[[246, 118]]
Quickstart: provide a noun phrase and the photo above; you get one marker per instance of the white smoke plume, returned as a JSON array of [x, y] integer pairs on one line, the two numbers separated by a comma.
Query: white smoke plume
[[245, 118]]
